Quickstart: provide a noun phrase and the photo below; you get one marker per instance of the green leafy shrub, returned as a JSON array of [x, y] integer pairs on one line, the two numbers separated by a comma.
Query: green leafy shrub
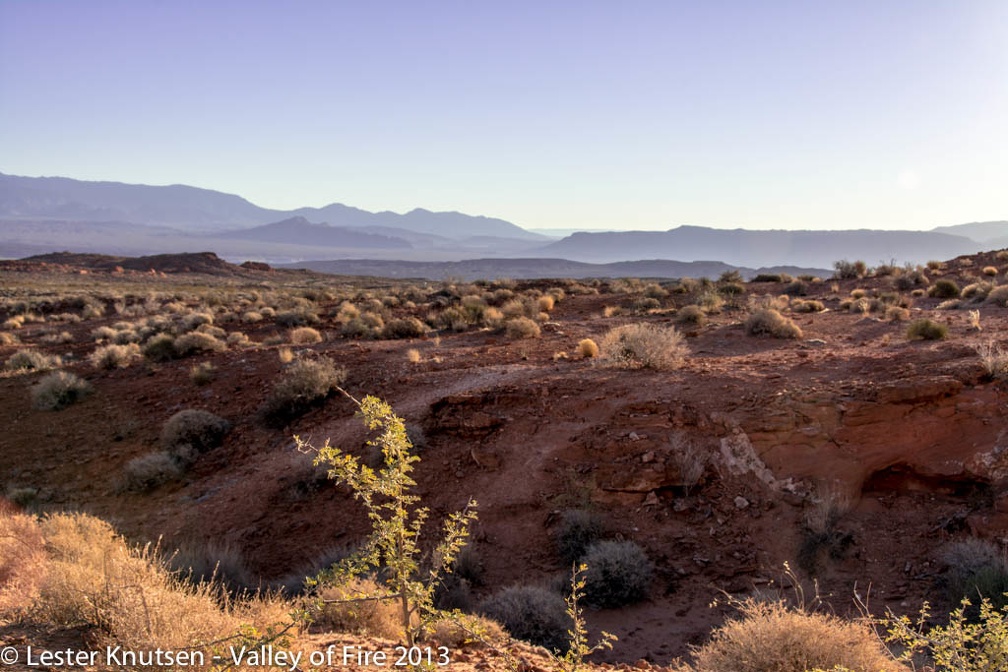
[[927, 330], [619, 573], [531, 613], [644, 345], [769, 322], [965, 644], [396, 521], [58, 390]]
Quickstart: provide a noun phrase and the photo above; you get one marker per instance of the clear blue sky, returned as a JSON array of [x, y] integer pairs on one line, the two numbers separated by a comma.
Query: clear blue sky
[[803, 114]]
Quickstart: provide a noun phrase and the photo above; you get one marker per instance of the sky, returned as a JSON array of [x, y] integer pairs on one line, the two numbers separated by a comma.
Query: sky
[[565, 114]]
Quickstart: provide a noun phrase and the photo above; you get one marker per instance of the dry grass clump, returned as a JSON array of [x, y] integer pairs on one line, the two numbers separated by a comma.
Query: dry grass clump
[[587, 348], [521, 327], [770, 635], [115, 356], [15, 322], [644, 345], [7, 338], [531, 613], [58, 390], [150, 471], [769, 322], [619, 573], [976, 569], [193, 431], [296, 318], [546, 303], [22, 561], [413, 356], [993, 358], [304, 336], [94, 579], [926, 330], [31, 360], [343, 610], [304, 384]]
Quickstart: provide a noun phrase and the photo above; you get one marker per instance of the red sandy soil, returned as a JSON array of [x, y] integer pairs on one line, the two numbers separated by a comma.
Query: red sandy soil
[[907, 431]]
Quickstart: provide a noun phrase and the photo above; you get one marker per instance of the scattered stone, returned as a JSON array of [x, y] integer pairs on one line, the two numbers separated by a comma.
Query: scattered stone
[[741, 503]]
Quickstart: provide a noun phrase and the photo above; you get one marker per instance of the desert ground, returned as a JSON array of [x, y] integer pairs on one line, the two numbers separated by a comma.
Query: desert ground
[[839, 450]]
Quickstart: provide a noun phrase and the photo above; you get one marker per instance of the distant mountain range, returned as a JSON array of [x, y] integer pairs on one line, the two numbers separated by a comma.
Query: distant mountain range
[[46, 214]]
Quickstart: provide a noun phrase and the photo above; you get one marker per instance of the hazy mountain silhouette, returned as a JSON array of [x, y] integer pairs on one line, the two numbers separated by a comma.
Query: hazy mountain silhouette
[[196, 210], [305, 233], [982, 232], [741, 247]]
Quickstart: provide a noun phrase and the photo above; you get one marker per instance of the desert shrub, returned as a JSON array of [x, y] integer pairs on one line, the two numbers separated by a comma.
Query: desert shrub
[[546, 303], [196, 342], [944, 289], [927, 330], [731, 289], [31, 360], [976, 569], [910, 279], [588, 348], [160, 348], [646, 304], [296, 318], [406, 327], [366, 325], [238, 338], [796, 288], [993, 359], [193, 431], [521, 327], [810, 306], [58, 390], [771, 636], [150, 471], [710, 300], [251, 317], [691, 315], [849, 270], [977, 291], [58, 338], [999, 296], [531, 613], [304, 336], [769, 322], [194, 320], [768, 277], [7, 338], [578, 529], [115, 356], [897, 314], [619, 573], [644, 345], [304, 384]]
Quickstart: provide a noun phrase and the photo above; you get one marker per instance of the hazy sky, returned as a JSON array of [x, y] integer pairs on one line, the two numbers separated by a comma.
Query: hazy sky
[[579, 114]]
